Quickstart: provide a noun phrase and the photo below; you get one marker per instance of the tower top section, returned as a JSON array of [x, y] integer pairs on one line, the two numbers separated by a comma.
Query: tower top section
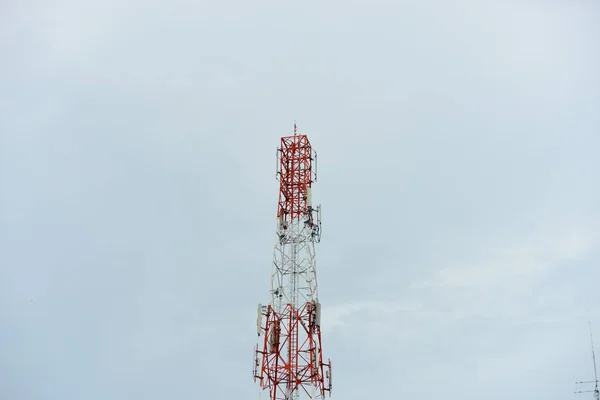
[[296, 172]]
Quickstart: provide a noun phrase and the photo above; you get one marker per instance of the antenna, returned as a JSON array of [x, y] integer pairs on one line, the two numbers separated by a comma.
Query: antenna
[[595, 381]]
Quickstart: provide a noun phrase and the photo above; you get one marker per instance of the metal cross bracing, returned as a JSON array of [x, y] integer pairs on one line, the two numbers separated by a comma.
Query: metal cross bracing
[[289, 361]]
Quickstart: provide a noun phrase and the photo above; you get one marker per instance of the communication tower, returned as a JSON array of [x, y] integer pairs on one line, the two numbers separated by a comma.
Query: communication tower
[[288, 360]]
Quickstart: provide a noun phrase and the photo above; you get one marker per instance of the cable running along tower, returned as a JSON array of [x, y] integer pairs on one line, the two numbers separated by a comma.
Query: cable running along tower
[[288, 360]]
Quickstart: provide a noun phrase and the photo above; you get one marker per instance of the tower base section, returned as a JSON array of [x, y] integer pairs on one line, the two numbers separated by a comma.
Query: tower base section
[[290, 361]]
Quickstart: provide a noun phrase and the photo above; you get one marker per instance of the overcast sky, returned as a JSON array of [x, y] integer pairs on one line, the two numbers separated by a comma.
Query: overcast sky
[[458, 148]]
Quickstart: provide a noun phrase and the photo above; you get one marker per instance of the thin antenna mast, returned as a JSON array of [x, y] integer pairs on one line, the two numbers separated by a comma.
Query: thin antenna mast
[[595, 381], [593, 357]]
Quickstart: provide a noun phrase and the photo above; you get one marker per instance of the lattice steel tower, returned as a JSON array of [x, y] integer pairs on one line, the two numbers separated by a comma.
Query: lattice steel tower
[[288, 360]]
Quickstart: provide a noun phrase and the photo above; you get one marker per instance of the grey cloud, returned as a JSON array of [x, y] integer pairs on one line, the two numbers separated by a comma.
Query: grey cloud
[[137, 146]]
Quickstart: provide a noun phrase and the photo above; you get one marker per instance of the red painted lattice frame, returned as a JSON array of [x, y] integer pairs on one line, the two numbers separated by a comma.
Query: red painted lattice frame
[[295, 173], [291, 352]]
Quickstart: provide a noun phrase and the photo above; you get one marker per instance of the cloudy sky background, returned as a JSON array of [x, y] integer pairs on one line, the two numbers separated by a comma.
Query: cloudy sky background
[[458, 172]]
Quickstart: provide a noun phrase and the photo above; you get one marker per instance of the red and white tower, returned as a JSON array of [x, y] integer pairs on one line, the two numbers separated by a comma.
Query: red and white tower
[[288, 359]]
